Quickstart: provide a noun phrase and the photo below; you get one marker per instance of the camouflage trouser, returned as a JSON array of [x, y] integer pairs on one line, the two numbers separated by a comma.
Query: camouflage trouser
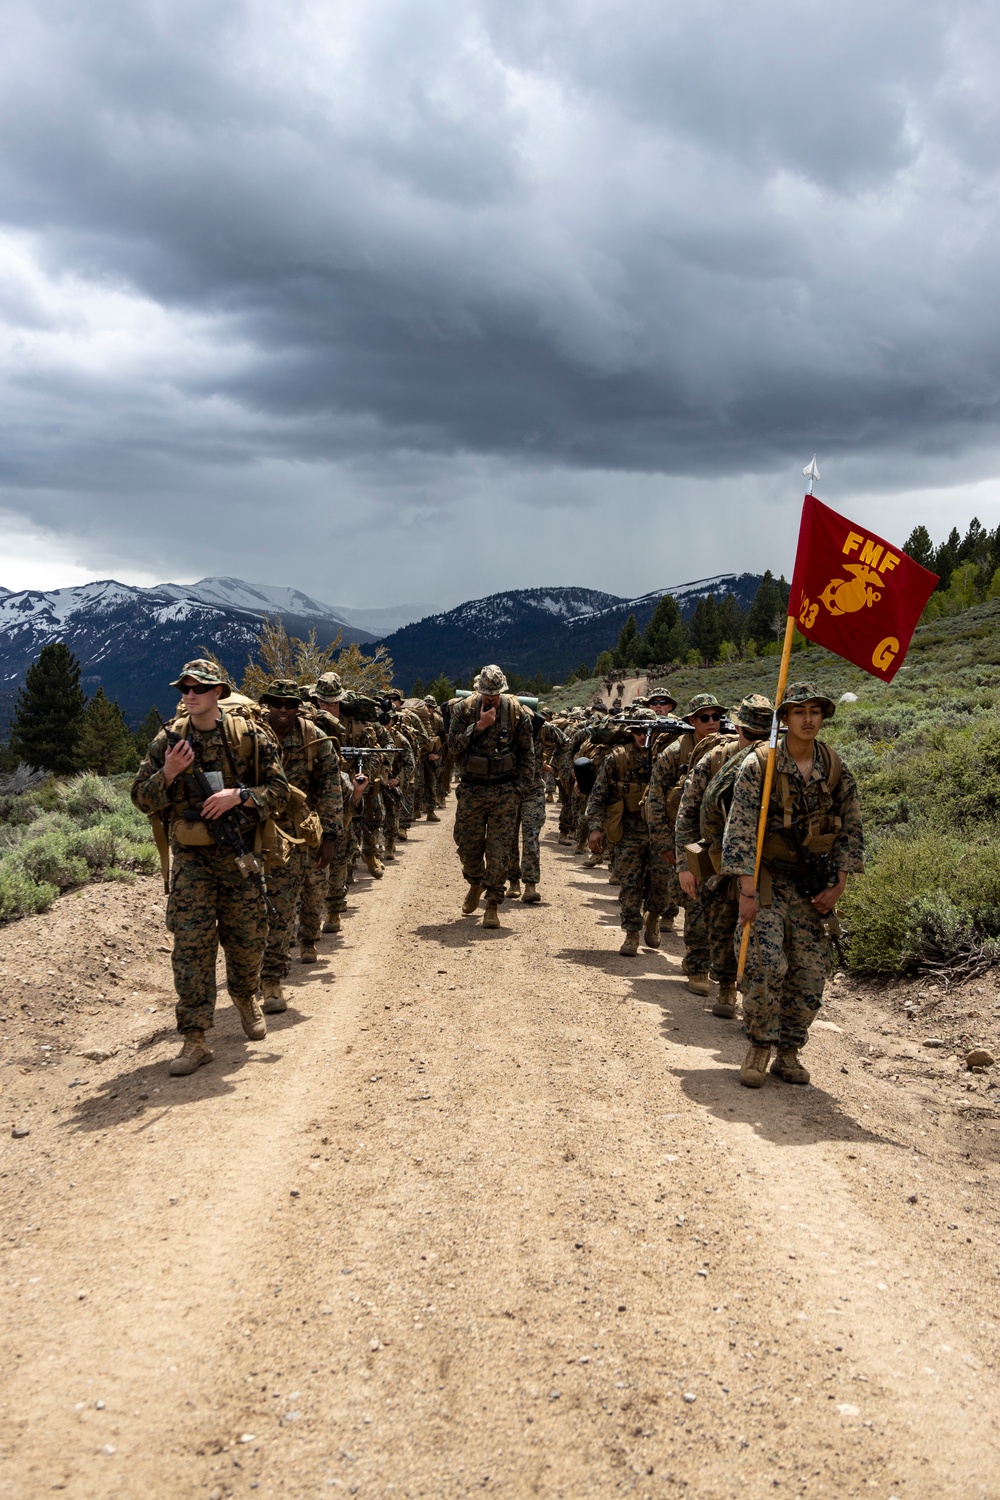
[[525, 859], [580, 827], [721, 916], [484, 824], [696, 947], [409, 792], [566, 811], [312, 901], [393, 807], [368, 826], [284, 886], [427, 773], [210, 903], [445, 768], [780, 1002], [643, 884]]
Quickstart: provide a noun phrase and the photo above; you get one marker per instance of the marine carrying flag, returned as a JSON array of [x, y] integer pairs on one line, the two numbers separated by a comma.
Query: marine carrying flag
[[854, 593]]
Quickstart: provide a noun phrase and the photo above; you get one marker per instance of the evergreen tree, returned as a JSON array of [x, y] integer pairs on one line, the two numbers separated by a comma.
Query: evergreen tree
[[49, 712], [767, 607], [582, 672], [666, 633], [623, 653], [706, 629], [732, 620], [147, 731], [946, 558], [105, 744], [604, 664], [418, 690], [442, 688], [919, 546]]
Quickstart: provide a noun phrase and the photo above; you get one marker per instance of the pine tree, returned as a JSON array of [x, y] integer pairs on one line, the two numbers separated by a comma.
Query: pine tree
[[418, 688], [666, 633], [919, 546], [625, 648], [732, 620], [706, 631], [105, 744], [946, 558], [767, 607], [147, 732], [49, 713], [604, 664], [442, 688]]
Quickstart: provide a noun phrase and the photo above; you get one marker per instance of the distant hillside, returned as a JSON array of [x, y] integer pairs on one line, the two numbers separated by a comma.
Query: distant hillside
[[132, 641], [538, 630]]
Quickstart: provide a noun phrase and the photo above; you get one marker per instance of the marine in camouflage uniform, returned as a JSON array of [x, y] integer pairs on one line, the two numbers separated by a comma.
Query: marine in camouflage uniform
[[701, 819], [430, 765], [670, 771], [491, 748], [525, 853], [311, 766], [790, 953], [621, 786], [210, 901]]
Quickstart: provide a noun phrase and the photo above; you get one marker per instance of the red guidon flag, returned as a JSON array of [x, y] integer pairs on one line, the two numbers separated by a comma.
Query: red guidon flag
[[854, 593]]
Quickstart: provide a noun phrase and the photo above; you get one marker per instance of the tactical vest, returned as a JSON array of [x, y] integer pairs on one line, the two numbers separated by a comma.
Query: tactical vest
[[817, 830], [633, 782], [502, 766]]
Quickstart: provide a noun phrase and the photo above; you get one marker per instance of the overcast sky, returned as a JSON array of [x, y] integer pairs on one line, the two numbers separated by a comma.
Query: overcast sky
[[419, 299]]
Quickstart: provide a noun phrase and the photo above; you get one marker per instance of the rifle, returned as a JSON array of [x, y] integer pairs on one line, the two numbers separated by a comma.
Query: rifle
[[226, 832]]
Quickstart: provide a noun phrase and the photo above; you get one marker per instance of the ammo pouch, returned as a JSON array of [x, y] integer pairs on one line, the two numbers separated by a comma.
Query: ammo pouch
[[274, 845], [305, 821], [634, 795], [704, 859], [613, 814], [490, 767], [191, 833]]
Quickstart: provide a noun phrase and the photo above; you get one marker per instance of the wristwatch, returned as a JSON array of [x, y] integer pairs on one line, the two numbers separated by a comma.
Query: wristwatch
[[244, 794]]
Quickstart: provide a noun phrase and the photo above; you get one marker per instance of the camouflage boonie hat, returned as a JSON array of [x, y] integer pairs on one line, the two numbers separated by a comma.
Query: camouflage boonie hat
[[431, 701], [204, 672], [661, 696], [492, 680], [282, 690], [754, 714], [645, 714], [395, 694], [329, 687], [806, 692], [700, 701]]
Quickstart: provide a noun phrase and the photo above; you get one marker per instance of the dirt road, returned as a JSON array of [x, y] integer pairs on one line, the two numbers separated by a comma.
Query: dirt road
[[487, 1212]]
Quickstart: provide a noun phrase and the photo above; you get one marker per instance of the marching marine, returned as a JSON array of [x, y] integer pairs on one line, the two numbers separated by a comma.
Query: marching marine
[[211, 901], [813, 841]]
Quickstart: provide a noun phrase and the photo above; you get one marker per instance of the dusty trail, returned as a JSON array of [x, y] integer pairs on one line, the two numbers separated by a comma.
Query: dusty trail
[[488, 1213]]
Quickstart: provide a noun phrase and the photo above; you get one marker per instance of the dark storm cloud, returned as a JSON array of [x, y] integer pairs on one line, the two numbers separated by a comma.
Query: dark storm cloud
[[370, 244]]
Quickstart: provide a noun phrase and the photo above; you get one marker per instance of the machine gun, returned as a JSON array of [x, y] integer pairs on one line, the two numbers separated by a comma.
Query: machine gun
[[226, 832]]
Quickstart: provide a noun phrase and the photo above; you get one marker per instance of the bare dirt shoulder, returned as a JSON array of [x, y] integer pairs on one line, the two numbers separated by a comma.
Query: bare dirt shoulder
[[486, 1212]]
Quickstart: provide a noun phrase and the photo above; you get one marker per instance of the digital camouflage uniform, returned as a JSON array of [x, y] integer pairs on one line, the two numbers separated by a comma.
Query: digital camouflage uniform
[[290, 882], [486, 814], [789, 954], [624, 777], [525, 857], [210, 902], [716, 906]]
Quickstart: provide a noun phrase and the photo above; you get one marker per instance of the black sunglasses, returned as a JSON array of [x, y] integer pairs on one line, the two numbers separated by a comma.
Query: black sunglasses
[[198, 688], [708, 718]]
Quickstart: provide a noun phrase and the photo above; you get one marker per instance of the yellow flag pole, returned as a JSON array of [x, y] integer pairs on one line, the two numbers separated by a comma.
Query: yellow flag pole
[[772, 750]]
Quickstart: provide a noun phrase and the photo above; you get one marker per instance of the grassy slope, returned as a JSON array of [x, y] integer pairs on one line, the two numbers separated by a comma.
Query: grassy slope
[[926, 752]]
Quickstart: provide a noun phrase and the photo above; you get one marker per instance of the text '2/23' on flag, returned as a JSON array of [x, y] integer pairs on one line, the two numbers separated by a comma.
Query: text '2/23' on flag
[[854, 593]]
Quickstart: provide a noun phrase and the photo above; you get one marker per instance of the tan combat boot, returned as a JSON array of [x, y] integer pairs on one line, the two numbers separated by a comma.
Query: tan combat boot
[[725, 1006], [491, 917], [613, 879], [787, 1065], [251, 1018], [471, 900], [273, 997], [753, 1070], [307, 951], [390, 850], [404, 834], [514, 890], [565, 838], [374, 865], [630, 947], [432, 817], [651, 935], [530, 893], [699, 984], [332, 923], [550, 796], [192, 1055], [582, 845], [592, 860], [666, 925]]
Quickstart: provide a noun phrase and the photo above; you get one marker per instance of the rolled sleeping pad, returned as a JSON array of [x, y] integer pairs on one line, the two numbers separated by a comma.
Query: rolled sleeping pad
[[531, 703]]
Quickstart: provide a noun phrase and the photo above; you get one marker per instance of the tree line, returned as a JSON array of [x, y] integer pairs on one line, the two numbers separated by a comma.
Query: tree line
[[57, 728]]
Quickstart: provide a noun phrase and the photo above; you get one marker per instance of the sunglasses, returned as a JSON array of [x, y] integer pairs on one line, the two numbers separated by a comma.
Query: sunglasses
[[708, 718], [198, 689]]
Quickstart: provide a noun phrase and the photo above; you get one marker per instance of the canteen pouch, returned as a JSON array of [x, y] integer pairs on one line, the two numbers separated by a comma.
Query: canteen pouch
[[703, 859], [191, 835], [613, 822], [305, 820]]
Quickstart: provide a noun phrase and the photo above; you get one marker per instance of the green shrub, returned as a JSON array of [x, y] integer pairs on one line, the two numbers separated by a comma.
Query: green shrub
[[49, 859], [20, 895]]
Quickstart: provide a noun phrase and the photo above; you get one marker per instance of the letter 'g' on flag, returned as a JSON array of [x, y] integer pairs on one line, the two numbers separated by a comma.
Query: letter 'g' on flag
[[854, 593]]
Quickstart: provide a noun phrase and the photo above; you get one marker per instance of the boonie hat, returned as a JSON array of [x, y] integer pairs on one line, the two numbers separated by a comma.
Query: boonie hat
[[661, 696], [755, 714], [492, 680], [700, 701], [329, 687], [282, 690], [205, 673], [807, 692]]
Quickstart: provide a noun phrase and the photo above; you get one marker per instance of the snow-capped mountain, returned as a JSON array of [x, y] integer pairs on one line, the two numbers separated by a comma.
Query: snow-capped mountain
[[234, 593], [131, 641], [552, 631]]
